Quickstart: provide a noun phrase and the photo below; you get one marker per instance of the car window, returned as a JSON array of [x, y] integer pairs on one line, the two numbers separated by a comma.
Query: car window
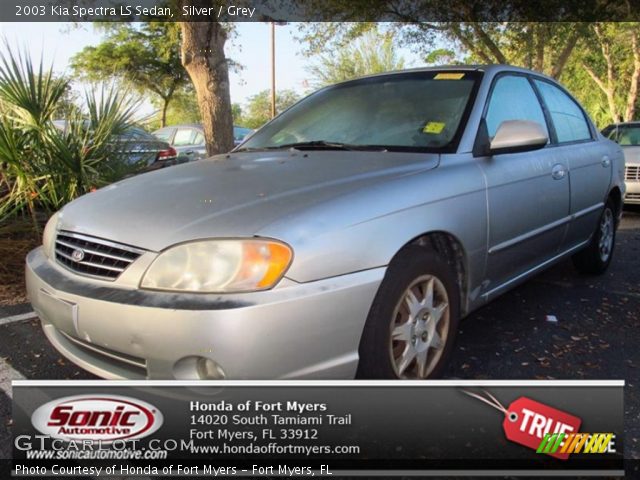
[[198, 139], [417, 111], [513, 98], [568, 119], [164, 134], [184, 136], [625, 135]]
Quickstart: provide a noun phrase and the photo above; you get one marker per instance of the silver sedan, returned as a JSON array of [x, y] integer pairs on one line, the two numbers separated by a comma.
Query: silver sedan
[[627, 135], [346, 237]]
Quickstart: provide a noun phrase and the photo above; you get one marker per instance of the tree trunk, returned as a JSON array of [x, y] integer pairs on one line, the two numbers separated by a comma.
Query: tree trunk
[[565, 53], [530, 42], [203, 58], [469, 44], [489, 43], [608, 87], [540, 41], [608, 90], [165, 107]]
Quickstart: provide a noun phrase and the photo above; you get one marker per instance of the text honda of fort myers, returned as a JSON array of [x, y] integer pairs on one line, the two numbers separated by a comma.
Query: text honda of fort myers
[[346, 237]]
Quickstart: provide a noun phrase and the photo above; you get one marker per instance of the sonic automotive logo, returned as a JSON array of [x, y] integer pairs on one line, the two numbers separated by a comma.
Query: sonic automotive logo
[[104, 418]]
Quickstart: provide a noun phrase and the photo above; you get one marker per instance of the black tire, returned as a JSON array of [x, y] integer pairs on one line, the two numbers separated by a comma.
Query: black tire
[[413, 264], [592, 259]]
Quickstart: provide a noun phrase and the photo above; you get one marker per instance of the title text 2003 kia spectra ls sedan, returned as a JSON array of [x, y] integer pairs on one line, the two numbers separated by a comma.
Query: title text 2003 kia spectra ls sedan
[[346, 237]]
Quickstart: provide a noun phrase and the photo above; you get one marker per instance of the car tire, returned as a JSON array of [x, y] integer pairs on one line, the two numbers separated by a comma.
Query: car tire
[[410, 334], [596, 257]]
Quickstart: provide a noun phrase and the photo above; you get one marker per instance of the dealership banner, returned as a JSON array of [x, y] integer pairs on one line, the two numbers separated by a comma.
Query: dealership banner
[[317, 428]]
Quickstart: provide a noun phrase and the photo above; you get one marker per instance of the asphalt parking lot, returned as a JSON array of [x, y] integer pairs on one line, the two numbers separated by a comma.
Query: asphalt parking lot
[[596, 335]]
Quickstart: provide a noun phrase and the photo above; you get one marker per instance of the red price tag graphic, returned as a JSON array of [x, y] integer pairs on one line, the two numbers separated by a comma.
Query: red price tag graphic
[[527, 421]]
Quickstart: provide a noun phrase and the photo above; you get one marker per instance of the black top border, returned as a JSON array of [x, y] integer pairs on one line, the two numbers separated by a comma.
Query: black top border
[[410, 11]]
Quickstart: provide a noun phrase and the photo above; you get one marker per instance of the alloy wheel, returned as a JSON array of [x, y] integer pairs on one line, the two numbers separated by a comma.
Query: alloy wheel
[[419, 328], [605, 243]]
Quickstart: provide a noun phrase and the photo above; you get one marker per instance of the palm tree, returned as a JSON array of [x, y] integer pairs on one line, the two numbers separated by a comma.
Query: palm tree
[[44, 166]]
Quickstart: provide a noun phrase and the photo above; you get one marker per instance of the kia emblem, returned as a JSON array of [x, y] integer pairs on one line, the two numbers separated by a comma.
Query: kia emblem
[[77, 255]]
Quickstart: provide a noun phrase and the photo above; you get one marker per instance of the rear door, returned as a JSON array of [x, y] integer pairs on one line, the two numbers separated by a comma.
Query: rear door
[[588, 160], [199, 146], [527, 192], [189, 143]]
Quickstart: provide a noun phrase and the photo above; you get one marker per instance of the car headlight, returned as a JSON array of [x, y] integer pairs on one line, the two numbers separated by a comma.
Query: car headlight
[[49, 236], [218, 266]]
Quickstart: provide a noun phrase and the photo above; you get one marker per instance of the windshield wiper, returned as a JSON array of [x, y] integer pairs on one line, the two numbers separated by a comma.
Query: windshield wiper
[[319, 145]]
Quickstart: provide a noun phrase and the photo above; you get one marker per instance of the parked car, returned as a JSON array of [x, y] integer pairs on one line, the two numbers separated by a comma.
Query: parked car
[[627, 135], [139, 147], [188, 139], [347, 236]]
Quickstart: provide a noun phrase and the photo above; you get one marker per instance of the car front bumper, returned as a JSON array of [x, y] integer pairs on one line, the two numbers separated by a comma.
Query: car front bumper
[[309, 330]]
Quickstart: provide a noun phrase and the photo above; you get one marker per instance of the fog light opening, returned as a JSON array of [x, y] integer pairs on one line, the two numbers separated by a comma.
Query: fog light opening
[[196, 367], [209, 370]]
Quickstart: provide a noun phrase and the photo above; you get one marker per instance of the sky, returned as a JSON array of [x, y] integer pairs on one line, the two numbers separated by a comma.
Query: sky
[[58, 42]]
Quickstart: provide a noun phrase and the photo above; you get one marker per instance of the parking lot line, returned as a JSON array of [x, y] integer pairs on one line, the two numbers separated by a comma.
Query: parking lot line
[[7, 374], [17, 318]]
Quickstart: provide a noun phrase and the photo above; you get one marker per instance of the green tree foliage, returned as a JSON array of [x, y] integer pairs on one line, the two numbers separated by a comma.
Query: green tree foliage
[[373, 52], [183, 107], [545, 47], [236, 113], [611, 59], [42, 166], [145, 55], [69, 101], [441, 56], [598, 62], [258, 109]]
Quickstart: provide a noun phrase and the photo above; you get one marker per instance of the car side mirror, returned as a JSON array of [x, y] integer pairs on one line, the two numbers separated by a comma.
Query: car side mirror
[[518, 136]]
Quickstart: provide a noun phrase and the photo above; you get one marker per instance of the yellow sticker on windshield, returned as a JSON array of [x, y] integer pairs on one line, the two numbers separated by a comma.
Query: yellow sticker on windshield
[[449, 76], [433, 127]]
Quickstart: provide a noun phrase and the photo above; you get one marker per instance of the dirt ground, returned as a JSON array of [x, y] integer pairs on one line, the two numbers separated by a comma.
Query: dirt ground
[[17, 238]]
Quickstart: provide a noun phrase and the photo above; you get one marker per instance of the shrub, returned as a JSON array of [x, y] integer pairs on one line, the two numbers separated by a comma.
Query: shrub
[[44, 166]]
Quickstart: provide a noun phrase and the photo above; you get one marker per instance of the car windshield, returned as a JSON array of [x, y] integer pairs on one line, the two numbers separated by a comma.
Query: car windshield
[[625, 135], [416, 111]]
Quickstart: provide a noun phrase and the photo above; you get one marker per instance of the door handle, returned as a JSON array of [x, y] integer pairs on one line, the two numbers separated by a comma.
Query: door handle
[[558, 171], [606, 161]]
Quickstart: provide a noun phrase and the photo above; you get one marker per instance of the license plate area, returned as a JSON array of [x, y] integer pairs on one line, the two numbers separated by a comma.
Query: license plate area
[[61, 313]]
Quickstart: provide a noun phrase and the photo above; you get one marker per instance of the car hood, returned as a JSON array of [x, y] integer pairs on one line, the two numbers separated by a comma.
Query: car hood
[[233, 195], [631, 155]]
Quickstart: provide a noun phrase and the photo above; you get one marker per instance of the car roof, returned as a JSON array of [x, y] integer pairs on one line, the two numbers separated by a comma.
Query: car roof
[[486, 68]]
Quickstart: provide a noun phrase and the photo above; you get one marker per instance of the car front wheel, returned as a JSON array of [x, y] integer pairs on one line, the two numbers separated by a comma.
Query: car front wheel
[[411, 328]]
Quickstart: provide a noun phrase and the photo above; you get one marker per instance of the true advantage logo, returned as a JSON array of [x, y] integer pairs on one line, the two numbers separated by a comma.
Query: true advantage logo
[[566, 443]]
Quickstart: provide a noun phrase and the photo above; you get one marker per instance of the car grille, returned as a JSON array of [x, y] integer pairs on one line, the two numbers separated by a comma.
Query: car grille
[[632, 196], [94, 257], [632, 172]]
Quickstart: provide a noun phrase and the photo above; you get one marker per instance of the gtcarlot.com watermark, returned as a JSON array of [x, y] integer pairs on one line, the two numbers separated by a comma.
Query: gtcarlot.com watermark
[[43, 447]]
